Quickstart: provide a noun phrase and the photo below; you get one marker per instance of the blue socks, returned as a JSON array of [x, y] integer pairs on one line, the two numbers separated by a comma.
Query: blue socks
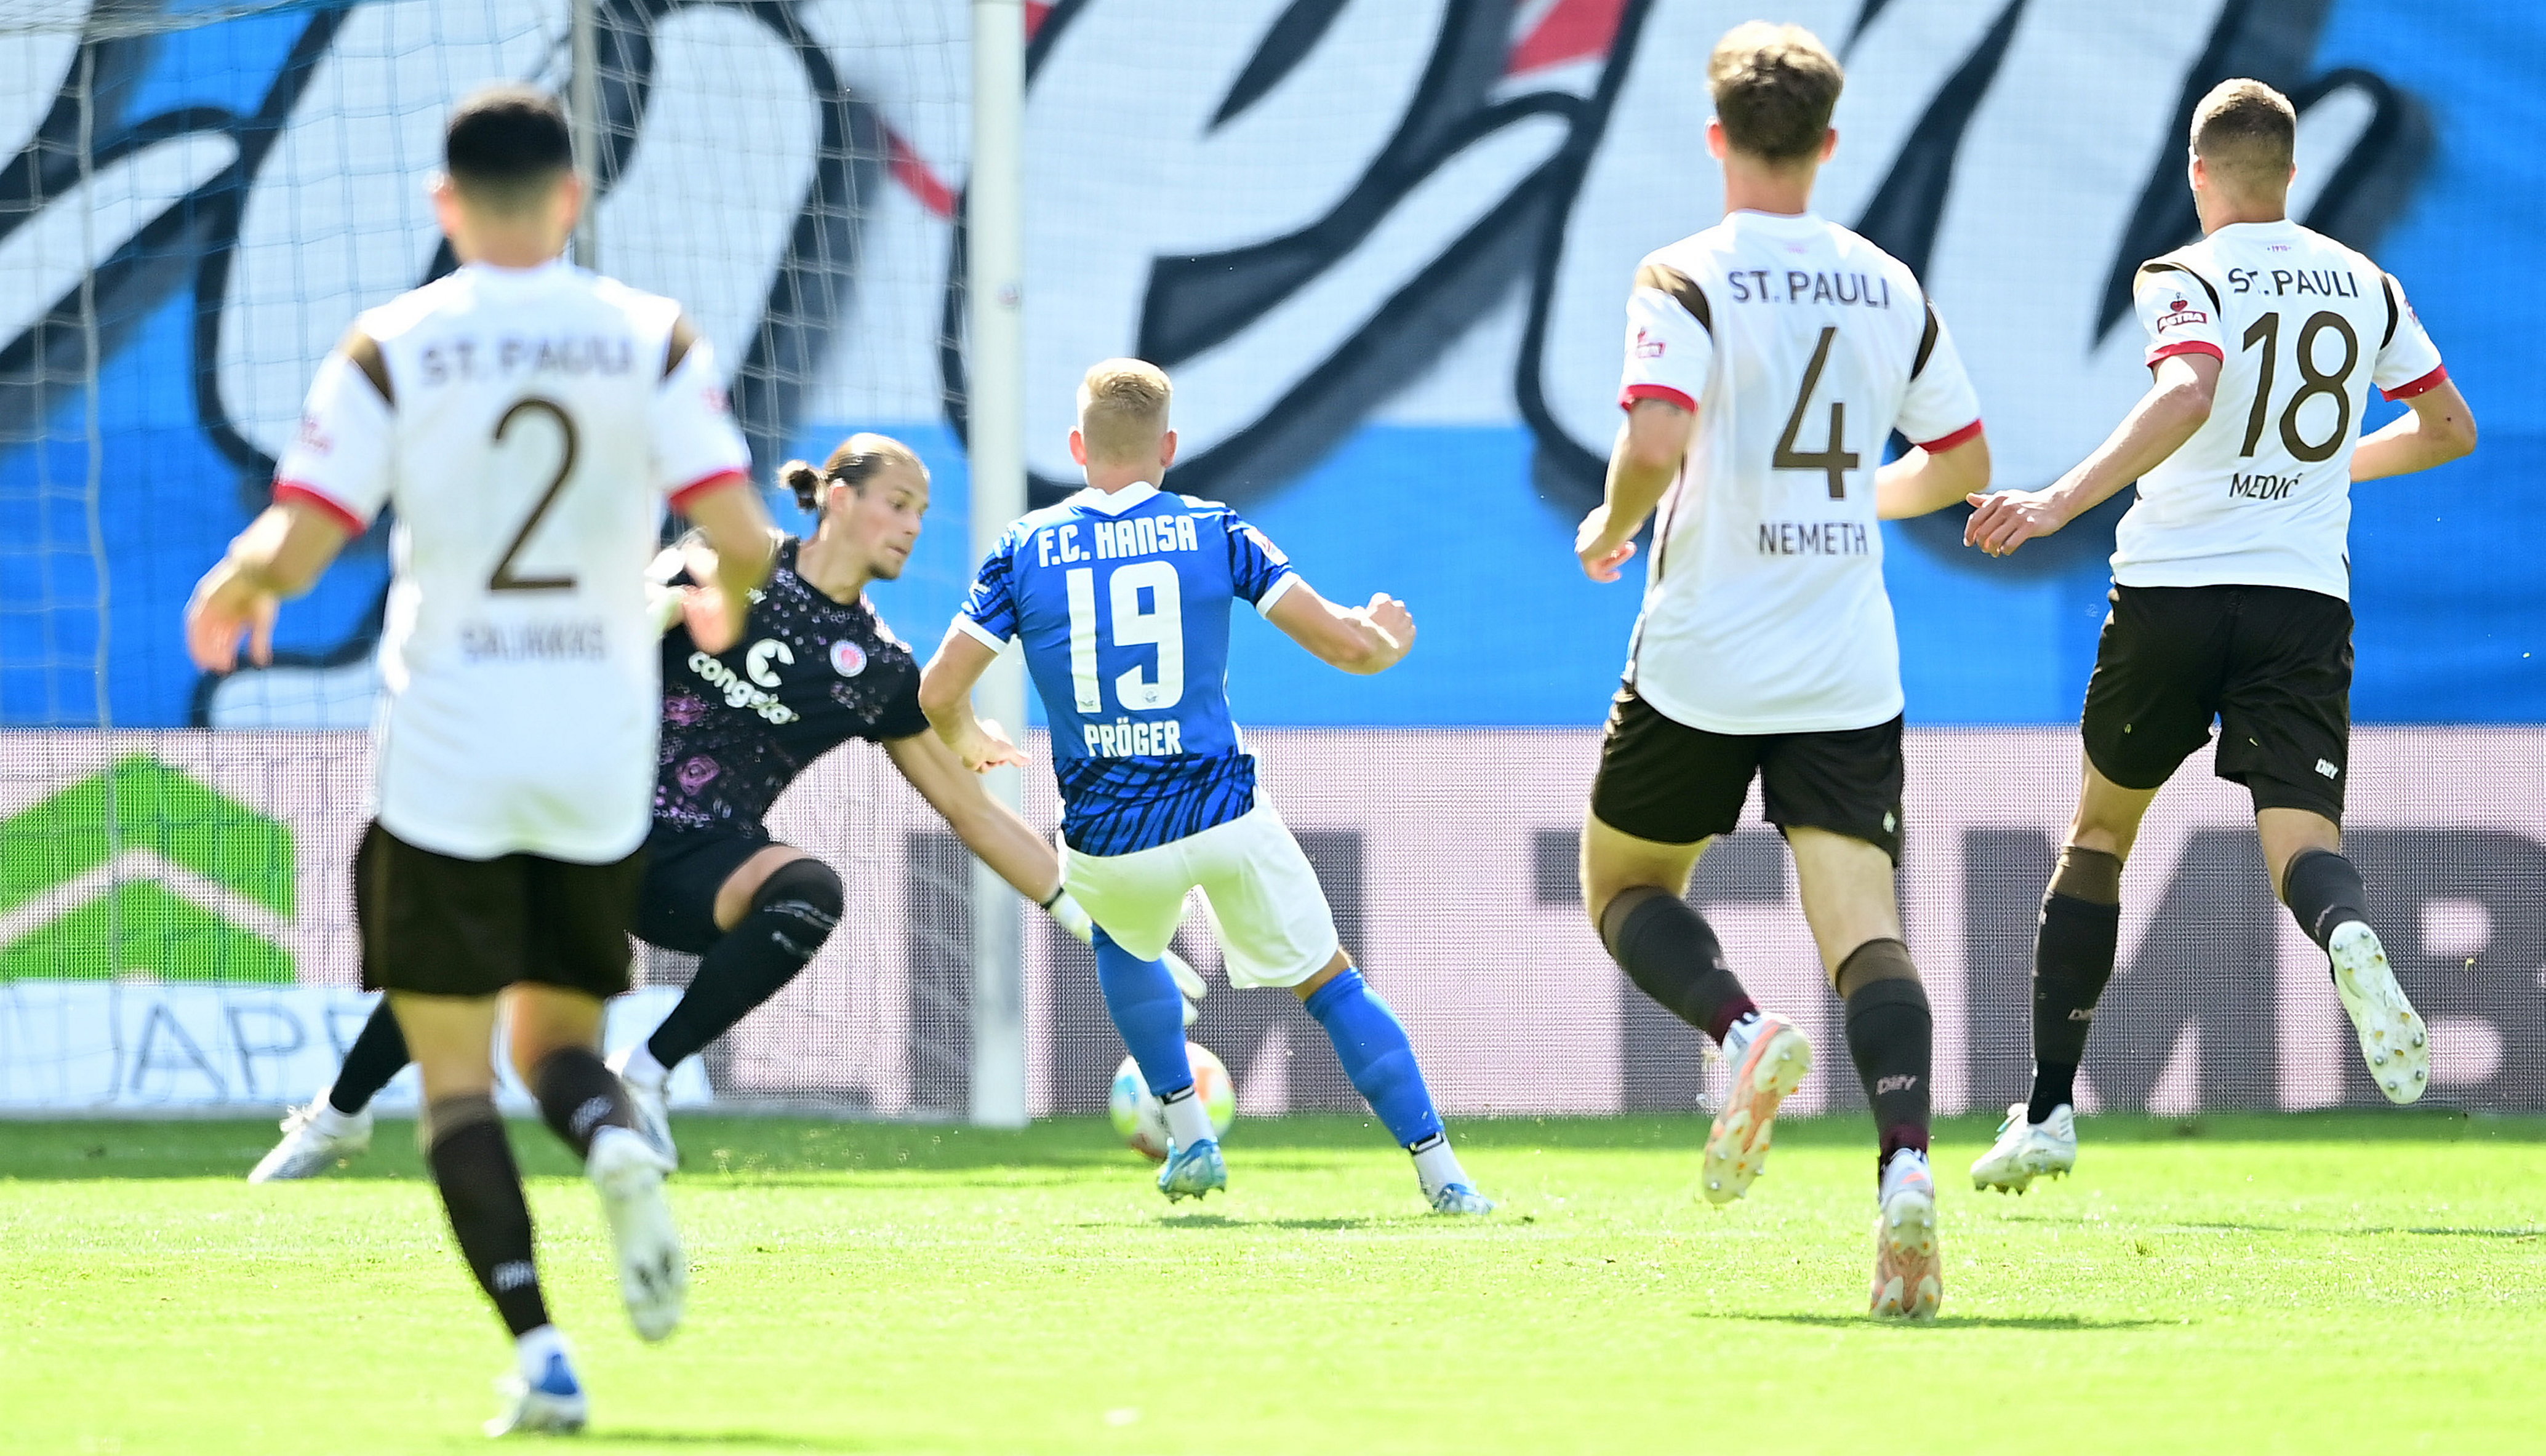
[[1370, 1044], [1149, 1012], [1370, 1041]]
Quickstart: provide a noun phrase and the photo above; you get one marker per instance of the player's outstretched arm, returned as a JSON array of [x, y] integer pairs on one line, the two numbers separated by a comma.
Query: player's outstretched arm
[[946, 696], [2441, 429], [1358, 639], [1642, 466], [1919, 481], [280, 555], [1004, 841], [734, 526], [2176, 406], [994, 832]]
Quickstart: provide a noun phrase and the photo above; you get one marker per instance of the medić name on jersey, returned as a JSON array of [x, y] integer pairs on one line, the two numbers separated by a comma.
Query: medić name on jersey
[[1141, 536], [1757, 285], [2259, 487]]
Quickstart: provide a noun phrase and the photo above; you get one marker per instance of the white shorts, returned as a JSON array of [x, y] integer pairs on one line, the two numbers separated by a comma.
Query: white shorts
[[1265, 902]]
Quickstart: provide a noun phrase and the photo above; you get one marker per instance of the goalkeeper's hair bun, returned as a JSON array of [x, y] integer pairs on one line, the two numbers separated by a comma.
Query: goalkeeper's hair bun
[[859, 458], [804, 480]]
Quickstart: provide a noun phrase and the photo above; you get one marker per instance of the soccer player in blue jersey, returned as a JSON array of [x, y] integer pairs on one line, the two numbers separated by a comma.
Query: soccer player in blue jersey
[[1121, 595]]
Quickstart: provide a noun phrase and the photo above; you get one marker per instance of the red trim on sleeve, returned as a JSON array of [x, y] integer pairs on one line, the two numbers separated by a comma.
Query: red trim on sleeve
[[2189, 346], [1943, 443], [1628, 396], [321, 501], [704, 486], [2423, 385]]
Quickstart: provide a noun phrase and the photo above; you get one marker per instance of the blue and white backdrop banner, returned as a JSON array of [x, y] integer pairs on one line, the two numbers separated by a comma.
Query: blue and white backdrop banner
[[1382, 244]]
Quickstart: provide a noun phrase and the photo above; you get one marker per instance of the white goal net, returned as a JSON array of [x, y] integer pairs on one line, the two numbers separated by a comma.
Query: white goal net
[[195, 202]]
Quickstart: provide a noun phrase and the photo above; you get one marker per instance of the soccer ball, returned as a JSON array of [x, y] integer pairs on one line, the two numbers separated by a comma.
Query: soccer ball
[[1143, 1121]]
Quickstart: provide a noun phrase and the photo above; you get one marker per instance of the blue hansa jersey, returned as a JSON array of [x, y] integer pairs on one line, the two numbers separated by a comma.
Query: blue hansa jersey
[[1122, 601]]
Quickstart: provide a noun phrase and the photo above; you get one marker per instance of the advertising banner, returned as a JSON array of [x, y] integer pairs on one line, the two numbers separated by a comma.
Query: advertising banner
[[176, 924], [175, 932], [147, 1048]]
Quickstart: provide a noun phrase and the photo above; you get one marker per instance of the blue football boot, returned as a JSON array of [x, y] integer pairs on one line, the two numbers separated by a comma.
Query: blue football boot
[[1191, 1172]]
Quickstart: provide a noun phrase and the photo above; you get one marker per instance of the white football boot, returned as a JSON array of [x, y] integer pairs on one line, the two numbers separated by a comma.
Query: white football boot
[[2025, 1151], [553, 1404], [647, 1101], [1908, 1280], [314, 1139], [653, 1272], [1766, 1074], [2391, 1039]]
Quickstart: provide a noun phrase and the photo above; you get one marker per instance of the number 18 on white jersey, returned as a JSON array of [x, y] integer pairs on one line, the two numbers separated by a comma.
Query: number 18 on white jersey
[[1802, 347], [2260, 495], [527, 426]]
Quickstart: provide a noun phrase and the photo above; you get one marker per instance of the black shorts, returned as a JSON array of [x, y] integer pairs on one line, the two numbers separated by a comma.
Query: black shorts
[[2271, 663], [1674, 784], [684, 871], [442, 926]]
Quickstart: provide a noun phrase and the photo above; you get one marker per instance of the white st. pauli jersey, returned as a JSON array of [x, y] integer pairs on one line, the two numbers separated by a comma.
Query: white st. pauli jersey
[[527, 426], [2260, 495], [1802, 347]]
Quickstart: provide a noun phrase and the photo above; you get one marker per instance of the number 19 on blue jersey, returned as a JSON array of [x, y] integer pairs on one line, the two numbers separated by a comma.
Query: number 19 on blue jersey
[[1123, 602]]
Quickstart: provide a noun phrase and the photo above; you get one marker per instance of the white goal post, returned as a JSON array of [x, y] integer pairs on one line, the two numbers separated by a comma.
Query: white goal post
[[995, 219]]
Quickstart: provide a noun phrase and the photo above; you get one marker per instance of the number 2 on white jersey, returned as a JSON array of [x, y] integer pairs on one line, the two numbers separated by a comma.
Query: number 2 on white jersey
[[504, 577], [1163, 625]]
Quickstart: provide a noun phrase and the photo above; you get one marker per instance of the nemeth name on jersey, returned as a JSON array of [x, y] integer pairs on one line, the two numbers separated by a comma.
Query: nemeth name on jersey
[[1800, 347]]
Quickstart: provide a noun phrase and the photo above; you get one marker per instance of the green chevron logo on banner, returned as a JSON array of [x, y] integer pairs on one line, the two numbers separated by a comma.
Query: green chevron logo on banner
[[134, 819]]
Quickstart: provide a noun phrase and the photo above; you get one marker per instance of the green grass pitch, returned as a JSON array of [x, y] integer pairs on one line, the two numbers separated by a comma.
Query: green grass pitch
[[2232, 1284]]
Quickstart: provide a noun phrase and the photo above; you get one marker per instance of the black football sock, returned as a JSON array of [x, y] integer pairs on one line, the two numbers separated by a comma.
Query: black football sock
[[1891, 1036], [579, 1097], [2324, 891], [481, 1190], [791, 915], [377, 1053], [1666, 948], [2072, 959]]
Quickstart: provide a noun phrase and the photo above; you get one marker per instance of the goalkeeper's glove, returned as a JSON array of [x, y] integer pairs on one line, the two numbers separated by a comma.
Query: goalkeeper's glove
[[1071, 916], [663, 605]]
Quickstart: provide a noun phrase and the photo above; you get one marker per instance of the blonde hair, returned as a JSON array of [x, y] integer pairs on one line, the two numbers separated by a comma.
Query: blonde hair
[[1775, 88], [2246, 133], [859, 458], [1122, 408]]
